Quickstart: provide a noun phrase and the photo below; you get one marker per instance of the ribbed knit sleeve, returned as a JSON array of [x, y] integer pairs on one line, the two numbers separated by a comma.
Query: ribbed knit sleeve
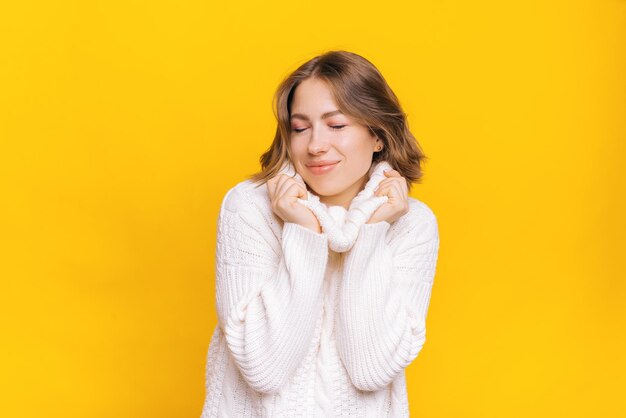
[[268, 293], [384, 300]]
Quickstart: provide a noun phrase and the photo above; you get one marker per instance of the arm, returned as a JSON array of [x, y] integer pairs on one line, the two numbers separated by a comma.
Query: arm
[[384, 300], [268, 294]]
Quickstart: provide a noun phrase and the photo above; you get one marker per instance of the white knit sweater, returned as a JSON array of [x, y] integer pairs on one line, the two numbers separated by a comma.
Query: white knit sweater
[[318, 324]]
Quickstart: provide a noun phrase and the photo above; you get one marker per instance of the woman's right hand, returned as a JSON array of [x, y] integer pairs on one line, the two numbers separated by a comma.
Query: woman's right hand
[[284, 192]]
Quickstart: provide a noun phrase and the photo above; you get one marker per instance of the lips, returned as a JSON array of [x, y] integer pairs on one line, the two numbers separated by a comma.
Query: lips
[[322, 167], [321, 163]]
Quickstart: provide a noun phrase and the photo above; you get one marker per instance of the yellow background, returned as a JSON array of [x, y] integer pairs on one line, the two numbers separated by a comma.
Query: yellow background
[[123, 123]]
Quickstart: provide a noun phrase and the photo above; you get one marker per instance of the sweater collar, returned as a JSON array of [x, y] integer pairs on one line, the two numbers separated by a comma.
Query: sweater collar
[[340, 225]]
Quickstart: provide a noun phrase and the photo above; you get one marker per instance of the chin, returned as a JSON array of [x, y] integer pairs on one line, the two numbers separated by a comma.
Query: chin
[[324, 191]]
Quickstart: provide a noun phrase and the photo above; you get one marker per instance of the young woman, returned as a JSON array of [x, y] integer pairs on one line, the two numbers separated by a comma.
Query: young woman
[[324, 264]]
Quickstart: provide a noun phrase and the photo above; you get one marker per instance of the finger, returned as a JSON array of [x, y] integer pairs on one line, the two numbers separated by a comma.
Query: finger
[[379, 187], [285, 187], [276, 183], [383, 190], [271, 187], [386, 182], [304, 192], [397, 190], [405, 186], [392, 173], [392, 178], [392, 188], [291, 189], [401, 181], [280, 184], [301, 191]]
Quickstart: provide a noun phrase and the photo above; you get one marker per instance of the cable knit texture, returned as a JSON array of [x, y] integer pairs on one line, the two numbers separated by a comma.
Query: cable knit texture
[[317, 324]]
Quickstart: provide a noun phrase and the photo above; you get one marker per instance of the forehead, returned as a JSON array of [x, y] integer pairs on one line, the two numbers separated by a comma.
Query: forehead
[[313, 94], [325, 115]]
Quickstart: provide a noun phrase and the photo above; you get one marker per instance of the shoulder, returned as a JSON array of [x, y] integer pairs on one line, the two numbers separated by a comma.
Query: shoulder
[[419, 212], [420, 222], [245, 197], [250, 203]]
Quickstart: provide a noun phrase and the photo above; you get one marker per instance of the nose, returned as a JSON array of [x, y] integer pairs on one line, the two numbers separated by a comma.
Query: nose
[[317, 142]]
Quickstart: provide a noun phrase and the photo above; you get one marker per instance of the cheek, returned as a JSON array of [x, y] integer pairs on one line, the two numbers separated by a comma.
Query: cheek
[[299, 154], [355, 145], [295, 147]]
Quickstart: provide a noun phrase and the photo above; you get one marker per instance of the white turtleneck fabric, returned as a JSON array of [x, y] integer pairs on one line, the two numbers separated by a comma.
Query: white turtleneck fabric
[[317, 324]]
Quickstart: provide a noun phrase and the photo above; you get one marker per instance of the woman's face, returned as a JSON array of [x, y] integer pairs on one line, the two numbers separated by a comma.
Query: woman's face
[[321, 134]]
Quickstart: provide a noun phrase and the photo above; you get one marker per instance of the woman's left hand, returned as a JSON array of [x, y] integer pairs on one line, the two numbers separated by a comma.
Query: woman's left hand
[[396, 190]]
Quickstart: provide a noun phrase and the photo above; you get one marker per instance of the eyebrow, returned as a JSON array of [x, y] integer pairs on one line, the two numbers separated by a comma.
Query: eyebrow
[[324, 116]]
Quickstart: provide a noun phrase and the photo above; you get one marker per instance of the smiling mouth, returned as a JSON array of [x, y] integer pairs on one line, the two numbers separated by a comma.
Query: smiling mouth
[[322, 169], [322, 165]]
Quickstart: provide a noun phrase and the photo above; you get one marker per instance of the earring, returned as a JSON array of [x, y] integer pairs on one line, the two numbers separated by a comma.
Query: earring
[[378, 148]]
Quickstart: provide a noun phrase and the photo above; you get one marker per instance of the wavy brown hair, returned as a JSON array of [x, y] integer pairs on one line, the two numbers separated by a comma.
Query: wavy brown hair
[[361, 93]]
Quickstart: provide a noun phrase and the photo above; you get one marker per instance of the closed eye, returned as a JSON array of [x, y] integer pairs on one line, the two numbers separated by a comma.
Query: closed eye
[[336, 127]]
